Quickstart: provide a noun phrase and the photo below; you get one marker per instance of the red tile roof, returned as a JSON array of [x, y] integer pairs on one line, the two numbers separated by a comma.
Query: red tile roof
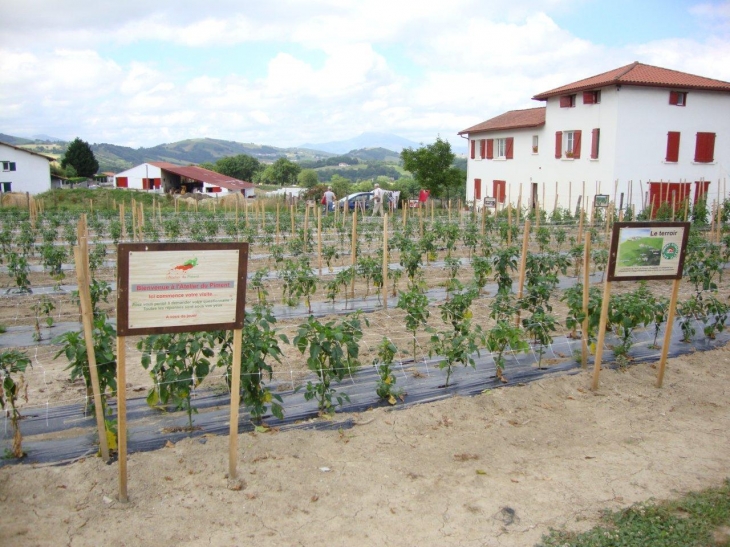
[[514, 119], [639, 74], [162, 164], [211, 177]]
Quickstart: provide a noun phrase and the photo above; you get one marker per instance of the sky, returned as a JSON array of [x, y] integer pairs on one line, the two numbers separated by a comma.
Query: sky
[[287, 72]]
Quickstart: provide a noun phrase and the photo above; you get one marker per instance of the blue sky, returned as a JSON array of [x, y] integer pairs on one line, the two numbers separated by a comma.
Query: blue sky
[[292, 71]]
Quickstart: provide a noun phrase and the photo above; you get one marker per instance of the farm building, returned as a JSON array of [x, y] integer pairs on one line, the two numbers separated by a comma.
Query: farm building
[[23, 171], [640, 134], [167, 177]]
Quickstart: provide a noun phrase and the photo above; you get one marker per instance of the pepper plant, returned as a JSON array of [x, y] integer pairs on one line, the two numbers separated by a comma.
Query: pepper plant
[[415, 303], [504, 334], [12, 364], [181, 363], [332, 353], [386, 389]]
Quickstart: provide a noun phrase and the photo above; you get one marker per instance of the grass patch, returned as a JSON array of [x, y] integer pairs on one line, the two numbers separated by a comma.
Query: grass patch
[[700, 519]]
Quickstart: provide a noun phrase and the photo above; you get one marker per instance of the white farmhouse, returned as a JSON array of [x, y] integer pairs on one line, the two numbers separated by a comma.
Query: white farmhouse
[[639, 134], [161, 176], [23, 170]]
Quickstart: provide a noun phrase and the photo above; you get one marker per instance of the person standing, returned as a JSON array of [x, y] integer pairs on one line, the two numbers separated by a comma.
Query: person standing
[[423, 197], [378, 199], [329, 199]]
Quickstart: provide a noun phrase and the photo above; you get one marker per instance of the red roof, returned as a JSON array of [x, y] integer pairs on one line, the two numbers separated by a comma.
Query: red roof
[[639, 74], [211, 177], [162, 164], [514, 119]]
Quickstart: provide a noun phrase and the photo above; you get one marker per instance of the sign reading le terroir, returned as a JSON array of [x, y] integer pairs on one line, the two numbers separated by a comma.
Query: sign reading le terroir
[[647, 250], [166, 288]]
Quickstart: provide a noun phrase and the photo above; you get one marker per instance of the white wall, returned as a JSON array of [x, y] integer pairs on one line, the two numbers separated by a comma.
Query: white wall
[[137, 173], [32, 172]]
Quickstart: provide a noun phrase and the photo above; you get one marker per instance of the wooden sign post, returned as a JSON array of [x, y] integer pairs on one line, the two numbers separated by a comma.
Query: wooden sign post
[[639, 251], [173, 288]]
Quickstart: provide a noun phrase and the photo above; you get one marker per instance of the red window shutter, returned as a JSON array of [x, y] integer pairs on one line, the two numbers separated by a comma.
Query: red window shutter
[[473, 148], [498, 190], [558, 144], [509, 148], [482, 149], [674, 97], [588, 97], [490, 149], [565, 101], [477, 189], [705, 148], [576, 144], [595, 138], [672, 146]]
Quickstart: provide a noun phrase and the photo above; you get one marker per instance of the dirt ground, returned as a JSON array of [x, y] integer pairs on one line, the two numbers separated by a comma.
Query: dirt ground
[[498, 469]]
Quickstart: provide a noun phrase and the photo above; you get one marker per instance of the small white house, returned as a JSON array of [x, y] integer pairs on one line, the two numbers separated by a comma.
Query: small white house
[[146, 176], [22, 170], [637, 133]]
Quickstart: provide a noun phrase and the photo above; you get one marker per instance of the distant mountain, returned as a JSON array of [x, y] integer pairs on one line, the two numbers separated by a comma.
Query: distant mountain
[[15, 141], [366, 140], [46, 138], [112, 157]]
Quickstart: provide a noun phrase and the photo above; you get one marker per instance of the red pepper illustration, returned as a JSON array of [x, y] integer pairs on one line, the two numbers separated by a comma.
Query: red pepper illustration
[[187, 265]]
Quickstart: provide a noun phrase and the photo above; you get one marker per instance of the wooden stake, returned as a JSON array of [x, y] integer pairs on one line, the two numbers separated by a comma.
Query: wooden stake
[[353, 261], [523, 265], [235, 396], [509, 225], [384, 286], [122, 416], [586, 294], [668, 332], [121, 220], [601, 333], [319, 239], [278, 204], [82, 274]]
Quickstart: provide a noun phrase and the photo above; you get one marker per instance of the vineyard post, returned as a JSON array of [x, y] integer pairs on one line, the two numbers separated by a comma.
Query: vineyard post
[[537, 207], [582, 216], [384, 285], [586, 293], [121, 219], [291, 215], [306, 226], [405, 211], [601, 333], [133, 207], [555, 205], [570, 194], [236, 217], [245, 213], [668, 332], [81, 258], [523, 265], [122, 416], [278, 205], [235, 396], [674, 202], [686, 207], [519, 201], [353, 259], [484, 217], [509, 225], [432, 210], [319, 239], [651, 210], [609, 216]]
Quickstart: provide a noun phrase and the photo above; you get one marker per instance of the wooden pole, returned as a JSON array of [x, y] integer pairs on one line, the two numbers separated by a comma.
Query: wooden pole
[[484, 218], [121, 220], [353, 261], [122, 416], [319, 239], [601, 333], [570, 194], [523, 265], [509, 225], [235, 396], [519, 202], [674, 203], [292, 231], [586, 294], [384, 286], [420, 219], [87, 314], [668, 332], [278, 205]]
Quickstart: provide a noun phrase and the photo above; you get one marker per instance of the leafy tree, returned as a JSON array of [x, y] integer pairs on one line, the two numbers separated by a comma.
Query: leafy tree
[[241, 167], [432, 166], [308, 178], [285, 172], [81, 158]]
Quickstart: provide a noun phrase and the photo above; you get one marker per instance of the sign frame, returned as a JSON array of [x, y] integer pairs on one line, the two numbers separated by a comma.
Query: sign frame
[[601, 200], [124, 282], [641, 228], [490, 203]]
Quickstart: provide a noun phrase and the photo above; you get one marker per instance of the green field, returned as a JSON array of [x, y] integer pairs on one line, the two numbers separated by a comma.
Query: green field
[[643, 251]]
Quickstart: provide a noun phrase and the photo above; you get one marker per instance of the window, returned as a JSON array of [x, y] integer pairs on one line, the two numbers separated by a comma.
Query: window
[[501, 147], [567, 101], [678, 98], [567, 143], [8, 166], [534, 144], [672, 146], [595, 142], [5, 186], [705, 148], [592, 97]]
